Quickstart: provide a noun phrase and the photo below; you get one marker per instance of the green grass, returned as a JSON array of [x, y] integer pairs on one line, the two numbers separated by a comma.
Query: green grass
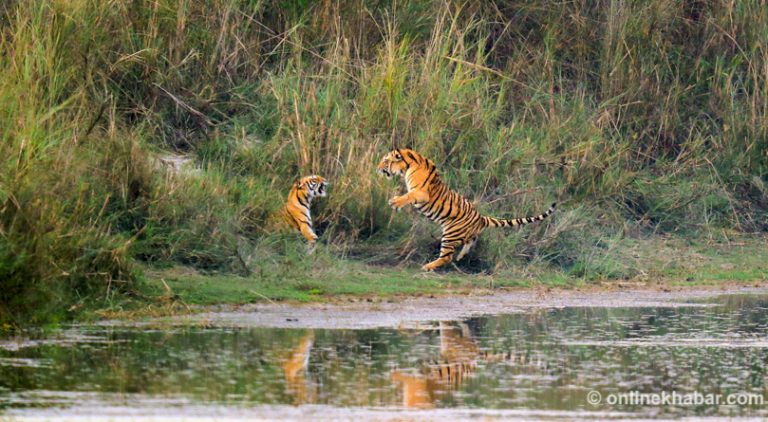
[[741, 261], [352, 279], [642, 119], [737, 260]]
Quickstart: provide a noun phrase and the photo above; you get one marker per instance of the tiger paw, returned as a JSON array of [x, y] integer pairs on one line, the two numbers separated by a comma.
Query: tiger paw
[[397, 203]]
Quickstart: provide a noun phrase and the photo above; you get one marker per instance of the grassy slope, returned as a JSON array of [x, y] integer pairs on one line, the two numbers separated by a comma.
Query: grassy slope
[[645, 120]]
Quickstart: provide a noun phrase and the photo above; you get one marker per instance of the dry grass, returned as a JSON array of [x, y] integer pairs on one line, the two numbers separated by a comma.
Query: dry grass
[[640, 118]]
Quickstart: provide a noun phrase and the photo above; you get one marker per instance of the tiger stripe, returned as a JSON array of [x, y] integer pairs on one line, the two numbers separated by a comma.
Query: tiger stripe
[[296, 212], [459, 358], [460, 221]]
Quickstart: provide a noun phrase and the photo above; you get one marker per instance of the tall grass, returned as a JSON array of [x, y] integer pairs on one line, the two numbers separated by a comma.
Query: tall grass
[[641, 117]]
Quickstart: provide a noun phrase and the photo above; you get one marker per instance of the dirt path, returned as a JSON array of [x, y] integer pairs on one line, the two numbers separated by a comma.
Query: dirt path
[[413, 312]]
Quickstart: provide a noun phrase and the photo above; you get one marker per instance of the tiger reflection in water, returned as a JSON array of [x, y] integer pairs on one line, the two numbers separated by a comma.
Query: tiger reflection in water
[[459, 355], [295, 369]]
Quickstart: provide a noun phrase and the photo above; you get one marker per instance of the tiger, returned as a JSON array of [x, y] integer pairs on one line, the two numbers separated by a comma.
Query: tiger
[[296, 213], [461, 222], [459, 357], [295, 368]]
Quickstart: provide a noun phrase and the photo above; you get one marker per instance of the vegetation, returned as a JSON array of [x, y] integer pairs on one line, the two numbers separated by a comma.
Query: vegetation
[[641, 118], [658, 263]]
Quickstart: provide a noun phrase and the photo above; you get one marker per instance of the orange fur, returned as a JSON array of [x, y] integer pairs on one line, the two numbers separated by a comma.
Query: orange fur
[[295, 368], [296, 212], [460, 220], [458, 359]]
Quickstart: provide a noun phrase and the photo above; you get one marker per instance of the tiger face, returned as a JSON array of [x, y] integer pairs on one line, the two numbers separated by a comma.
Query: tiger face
[[313, 186], [392, 164], [461, 222]]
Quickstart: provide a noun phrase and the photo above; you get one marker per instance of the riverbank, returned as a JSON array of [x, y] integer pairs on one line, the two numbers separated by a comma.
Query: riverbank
[[162, 136], [655, 264], [417, 312], [530, 355]]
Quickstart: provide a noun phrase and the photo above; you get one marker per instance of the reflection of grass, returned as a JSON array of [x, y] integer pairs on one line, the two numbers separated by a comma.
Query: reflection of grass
[[323, 277]]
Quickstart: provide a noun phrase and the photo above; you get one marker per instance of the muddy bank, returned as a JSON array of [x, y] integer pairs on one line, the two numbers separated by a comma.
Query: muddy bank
[[525, 355], [146, 412], [144, 409], [413, 312]]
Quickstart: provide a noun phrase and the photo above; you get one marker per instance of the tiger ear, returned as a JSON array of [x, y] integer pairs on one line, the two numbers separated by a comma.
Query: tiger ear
[[297, 184]]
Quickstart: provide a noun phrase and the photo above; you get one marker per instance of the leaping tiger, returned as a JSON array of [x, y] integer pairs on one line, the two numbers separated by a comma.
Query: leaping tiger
[[460, 220]]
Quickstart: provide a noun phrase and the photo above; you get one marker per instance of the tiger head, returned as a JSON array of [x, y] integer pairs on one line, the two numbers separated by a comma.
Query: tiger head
[[393, 164], [312, 186]]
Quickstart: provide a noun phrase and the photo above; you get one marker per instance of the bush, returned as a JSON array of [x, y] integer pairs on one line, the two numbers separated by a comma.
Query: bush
[[650, 115]]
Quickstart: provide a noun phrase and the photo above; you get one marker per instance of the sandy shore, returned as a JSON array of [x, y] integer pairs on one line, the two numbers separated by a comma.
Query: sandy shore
[[414, 311]]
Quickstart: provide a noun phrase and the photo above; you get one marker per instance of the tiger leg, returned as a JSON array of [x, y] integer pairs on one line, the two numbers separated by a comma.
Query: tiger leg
[[447, 249], [413, 197], [309, 234], [464, 249]]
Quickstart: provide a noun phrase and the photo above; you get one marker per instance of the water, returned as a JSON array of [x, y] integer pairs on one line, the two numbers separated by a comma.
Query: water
[[541, 362]]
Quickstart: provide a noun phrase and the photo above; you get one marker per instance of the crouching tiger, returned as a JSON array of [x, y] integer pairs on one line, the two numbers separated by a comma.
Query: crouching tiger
[[296, 212], [460, 220]]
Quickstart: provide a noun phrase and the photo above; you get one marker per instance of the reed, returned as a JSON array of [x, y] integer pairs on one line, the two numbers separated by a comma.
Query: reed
[[641, 118]]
